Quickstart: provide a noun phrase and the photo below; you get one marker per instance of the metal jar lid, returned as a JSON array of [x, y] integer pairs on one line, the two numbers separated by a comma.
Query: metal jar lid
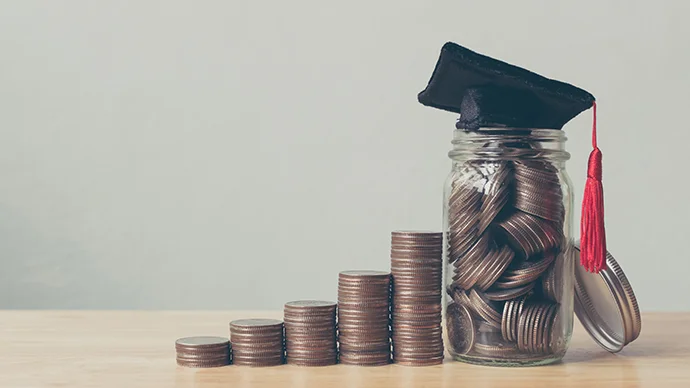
[[606, 305]]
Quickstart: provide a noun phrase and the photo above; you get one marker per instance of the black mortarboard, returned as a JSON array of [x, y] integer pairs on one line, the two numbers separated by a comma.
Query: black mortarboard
[[491, 93]]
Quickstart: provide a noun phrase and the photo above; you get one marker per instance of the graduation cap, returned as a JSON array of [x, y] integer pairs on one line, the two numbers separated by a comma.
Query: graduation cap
[[491, 93], [487, 92]]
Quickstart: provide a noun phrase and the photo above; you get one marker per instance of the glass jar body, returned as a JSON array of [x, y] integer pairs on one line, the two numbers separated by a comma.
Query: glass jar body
[[508, 248]]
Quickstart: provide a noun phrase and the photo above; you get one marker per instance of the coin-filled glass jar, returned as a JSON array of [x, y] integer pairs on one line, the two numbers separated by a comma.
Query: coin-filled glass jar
[[508, 247]]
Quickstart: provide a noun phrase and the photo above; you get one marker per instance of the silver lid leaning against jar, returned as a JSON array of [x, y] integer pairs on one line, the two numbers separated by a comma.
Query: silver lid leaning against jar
[[606, 305]]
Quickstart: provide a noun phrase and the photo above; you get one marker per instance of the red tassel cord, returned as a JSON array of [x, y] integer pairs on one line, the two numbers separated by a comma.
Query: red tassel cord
[[592, 232]]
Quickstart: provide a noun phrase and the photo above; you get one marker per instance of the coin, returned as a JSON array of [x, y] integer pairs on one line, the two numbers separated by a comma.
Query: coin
[[556, 333], [460, 326], [311, 305], [493, 345], [257, 342], [203, 364], [524, 272], [503, 249], [496, 195], [203, 351], [507, 294], [485, 308], [501, 260], [202, 342], [425, 361], [363, 316], [530, 235], [524, 327], [364, 360], [545, 334], [364, 274], [310, 333], [256, 325], [416, 272], [464, 204], [506, 318]]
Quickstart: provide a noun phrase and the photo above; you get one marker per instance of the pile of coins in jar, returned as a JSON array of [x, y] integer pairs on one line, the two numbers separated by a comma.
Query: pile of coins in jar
[[505, 251]]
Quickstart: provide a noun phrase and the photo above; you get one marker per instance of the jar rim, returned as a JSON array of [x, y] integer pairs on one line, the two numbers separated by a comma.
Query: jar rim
[[499, 143], [512, 131]]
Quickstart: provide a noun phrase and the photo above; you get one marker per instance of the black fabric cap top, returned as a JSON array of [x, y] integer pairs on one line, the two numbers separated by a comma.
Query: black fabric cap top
[[487, 92]]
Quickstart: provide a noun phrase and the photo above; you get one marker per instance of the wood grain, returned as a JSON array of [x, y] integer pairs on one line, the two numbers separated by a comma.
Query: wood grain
[[136, 349]]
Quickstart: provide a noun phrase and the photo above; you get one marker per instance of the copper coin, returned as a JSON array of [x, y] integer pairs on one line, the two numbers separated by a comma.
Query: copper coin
[[203, 358], [259, 363], [420, 362], [556, 333], [255, 325], [236, 337], [524, 272], [523, 327], [496, 195], [508, 294], [506, 319], [552, 285], [460, 326], [203, 364], [477, 252], [310, 305], [501, 261], [485, 308], [546, 329], [311, 363], [357, 359], [537, 321], [202, 342], [511, 313], [460, 297], [496, 351], [367, 274]]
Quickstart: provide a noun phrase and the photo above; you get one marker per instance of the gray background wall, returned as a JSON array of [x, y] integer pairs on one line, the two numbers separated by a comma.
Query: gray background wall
[[235, 155]]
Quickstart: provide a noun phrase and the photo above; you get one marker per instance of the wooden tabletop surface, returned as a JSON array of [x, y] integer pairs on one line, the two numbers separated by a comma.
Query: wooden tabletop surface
[[127, 349]]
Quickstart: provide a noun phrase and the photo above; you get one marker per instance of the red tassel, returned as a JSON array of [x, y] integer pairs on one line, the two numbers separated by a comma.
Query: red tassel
[[592, 232]]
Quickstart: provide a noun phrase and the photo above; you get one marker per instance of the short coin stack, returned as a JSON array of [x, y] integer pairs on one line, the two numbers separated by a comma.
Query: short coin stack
[[416, 268], [363, 317], [257, 342], [310, 333], [202, 352]]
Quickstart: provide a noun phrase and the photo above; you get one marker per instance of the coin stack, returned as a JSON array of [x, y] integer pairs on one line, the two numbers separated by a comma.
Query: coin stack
[[257, 342], [505, 238], [364, 317], [416, 269], [203, 352], [310, 333]]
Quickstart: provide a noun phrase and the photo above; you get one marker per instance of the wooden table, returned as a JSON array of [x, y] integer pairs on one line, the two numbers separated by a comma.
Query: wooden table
[[127, 349]]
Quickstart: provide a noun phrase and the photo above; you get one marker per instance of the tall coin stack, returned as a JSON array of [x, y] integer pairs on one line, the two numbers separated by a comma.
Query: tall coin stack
[[310, 333], [257, 342], [505, 233], [416, 269], [203, 352], [363, 317]]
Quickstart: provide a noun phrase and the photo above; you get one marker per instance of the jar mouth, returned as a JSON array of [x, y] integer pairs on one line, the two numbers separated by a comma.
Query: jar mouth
[[509, 144]]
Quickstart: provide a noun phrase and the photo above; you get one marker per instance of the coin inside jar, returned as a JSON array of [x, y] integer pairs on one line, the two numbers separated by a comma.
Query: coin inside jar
[[460, 326]]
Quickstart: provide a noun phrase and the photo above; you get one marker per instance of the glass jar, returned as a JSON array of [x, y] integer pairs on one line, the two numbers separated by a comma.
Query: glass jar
[[508, 247]]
